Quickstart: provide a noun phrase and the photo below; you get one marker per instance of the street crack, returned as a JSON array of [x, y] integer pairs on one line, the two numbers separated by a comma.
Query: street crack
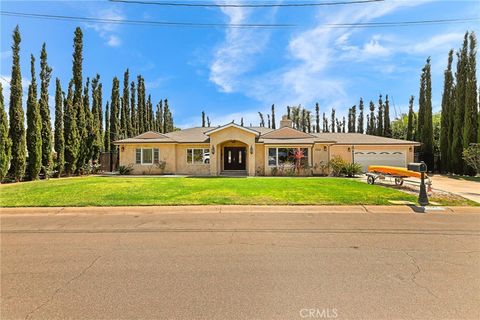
[[60, 288], [413, 277]]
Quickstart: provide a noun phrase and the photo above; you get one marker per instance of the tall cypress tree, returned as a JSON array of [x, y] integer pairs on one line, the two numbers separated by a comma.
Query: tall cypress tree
[[325, 123], [59, 143], [380, 117], [141, 105], [133, 112], [70, 132], [360, 128], [274, 126], [343, 125], [77, 101], [45, 75], [106, 136], [160, 116], [203, 119], [447, 101], [125, 120], [317, 117], [371, 120], [114, 113], [97, 144], [89, 124], [387, 132], [16, 131], [5, 142], [333, 119], [304, 120], [34, 128], [151, 117], [368, 125], [354, 118], [471, 104], [425, 124], [459, 108], [262, 120], [410, 124]]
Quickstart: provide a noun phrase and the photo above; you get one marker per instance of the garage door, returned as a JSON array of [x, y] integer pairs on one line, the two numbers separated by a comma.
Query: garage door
[[380, 158]]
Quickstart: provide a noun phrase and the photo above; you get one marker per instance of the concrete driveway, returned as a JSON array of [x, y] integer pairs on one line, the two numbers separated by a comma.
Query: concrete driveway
[[464, 188], [240, 265]]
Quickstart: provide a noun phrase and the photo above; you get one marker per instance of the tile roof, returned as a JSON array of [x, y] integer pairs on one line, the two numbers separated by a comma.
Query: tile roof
[[267, 136]]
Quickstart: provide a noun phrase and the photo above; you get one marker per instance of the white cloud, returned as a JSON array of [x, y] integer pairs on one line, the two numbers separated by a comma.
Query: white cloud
[[236, 55], [108, 31], [442, 42], [114, 41]]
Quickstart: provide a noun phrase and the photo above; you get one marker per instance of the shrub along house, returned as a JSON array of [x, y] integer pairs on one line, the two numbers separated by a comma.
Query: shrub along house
[[234, 149]]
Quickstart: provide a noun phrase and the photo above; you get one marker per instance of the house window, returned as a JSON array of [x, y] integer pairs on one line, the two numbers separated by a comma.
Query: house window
[[281, 156], [198, 156], [147, 155]]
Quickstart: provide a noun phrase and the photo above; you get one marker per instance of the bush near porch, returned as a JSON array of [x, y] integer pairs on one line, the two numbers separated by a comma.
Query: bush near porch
[[129, 191]]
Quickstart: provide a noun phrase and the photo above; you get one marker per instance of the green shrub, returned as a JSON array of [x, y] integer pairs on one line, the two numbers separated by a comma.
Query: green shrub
[[352, 169], [125, 170], [341, 167]]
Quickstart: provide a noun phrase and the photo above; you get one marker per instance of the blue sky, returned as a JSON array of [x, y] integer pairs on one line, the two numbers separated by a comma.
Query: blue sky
[[232, 73]]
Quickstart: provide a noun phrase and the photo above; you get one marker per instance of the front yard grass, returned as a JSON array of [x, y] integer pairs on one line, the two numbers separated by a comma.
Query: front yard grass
[[130, 191]]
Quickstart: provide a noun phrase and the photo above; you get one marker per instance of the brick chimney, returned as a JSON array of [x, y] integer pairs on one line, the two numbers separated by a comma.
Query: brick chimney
[[285, 122]]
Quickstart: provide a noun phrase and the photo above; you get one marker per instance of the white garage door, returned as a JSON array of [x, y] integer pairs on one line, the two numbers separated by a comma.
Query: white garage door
[[380, 158]]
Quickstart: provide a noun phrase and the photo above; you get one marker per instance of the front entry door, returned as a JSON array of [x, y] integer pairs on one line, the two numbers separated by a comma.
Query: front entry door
[[234, 158]]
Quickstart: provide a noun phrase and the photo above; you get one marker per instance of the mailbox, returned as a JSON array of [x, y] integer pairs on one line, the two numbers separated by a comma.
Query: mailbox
[[417, 166]]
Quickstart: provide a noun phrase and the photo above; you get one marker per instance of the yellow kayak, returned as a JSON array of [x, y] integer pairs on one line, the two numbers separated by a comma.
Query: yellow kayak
[[394, 171]]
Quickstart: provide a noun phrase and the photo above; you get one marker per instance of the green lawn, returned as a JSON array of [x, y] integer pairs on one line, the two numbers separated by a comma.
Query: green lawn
[[124, 191]]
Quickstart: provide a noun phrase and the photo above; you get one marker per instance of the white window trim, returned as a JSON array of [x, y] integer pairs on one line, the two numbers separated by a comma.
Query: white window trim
[[193, 163], [286, 147], [141, 156]]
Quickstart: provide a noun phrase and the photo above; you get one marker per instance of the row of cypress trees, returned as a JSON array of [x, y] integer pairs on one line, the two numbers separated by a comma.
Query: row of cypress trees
[[81, 131], [460, 108]]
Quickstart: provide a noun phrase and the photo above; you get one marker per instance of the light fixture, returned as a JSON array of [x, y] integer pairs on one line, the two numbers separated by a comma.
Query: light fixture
[[410, 149], [349, 149], [213, 149], [123, 148], [324, 148], [251, 149]]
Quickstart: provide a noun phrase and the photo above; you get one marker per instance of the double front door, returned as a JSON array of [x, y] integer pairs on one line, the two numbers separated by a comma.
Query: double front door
[[234, 158]]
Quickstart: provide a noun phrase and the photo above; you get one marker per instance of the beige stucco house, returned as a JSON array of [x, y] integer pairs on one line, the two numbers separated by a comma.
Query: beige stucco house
[[234, 149]]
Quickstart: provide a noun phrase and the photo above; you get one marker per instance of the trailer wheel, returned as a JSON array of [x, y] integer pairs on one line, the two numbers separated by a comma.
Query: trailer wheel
[[370, 180], [398, 181]]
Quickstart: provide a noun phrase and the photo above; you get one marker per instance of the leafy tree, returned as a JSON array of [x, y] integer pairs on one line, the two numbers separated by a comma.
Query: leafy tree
[[45, 75], [399, 127], [387, 132], [70, 132], [380, 117], [471, 105], [411, 120], [34, 128], [274, 126], [59, 143], [471, 156], [5, 142], [317, 117], [16, 131], [360, 128], [447, 106], [125, 114], [168, 118], [114, 114]]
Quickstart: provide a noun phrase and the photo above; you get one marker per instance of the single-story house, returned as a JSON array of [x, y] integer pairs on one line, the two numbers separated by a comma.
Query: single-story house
[[235, 149]]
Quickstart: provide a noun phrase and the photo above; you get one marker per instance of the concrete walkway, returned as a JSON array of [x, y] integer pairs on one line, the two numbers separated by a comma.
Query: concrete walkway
[[224, 209], [464, 188]]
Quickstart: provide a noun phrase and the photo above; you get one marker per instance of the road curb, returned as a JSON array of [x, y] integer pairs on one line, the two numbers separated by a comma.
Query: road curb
[[235, 209]]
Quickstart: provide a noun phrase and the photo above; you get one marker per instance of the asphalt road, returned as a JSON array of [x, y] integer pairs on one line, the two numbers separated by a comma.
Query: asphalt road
[[241, 266]]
